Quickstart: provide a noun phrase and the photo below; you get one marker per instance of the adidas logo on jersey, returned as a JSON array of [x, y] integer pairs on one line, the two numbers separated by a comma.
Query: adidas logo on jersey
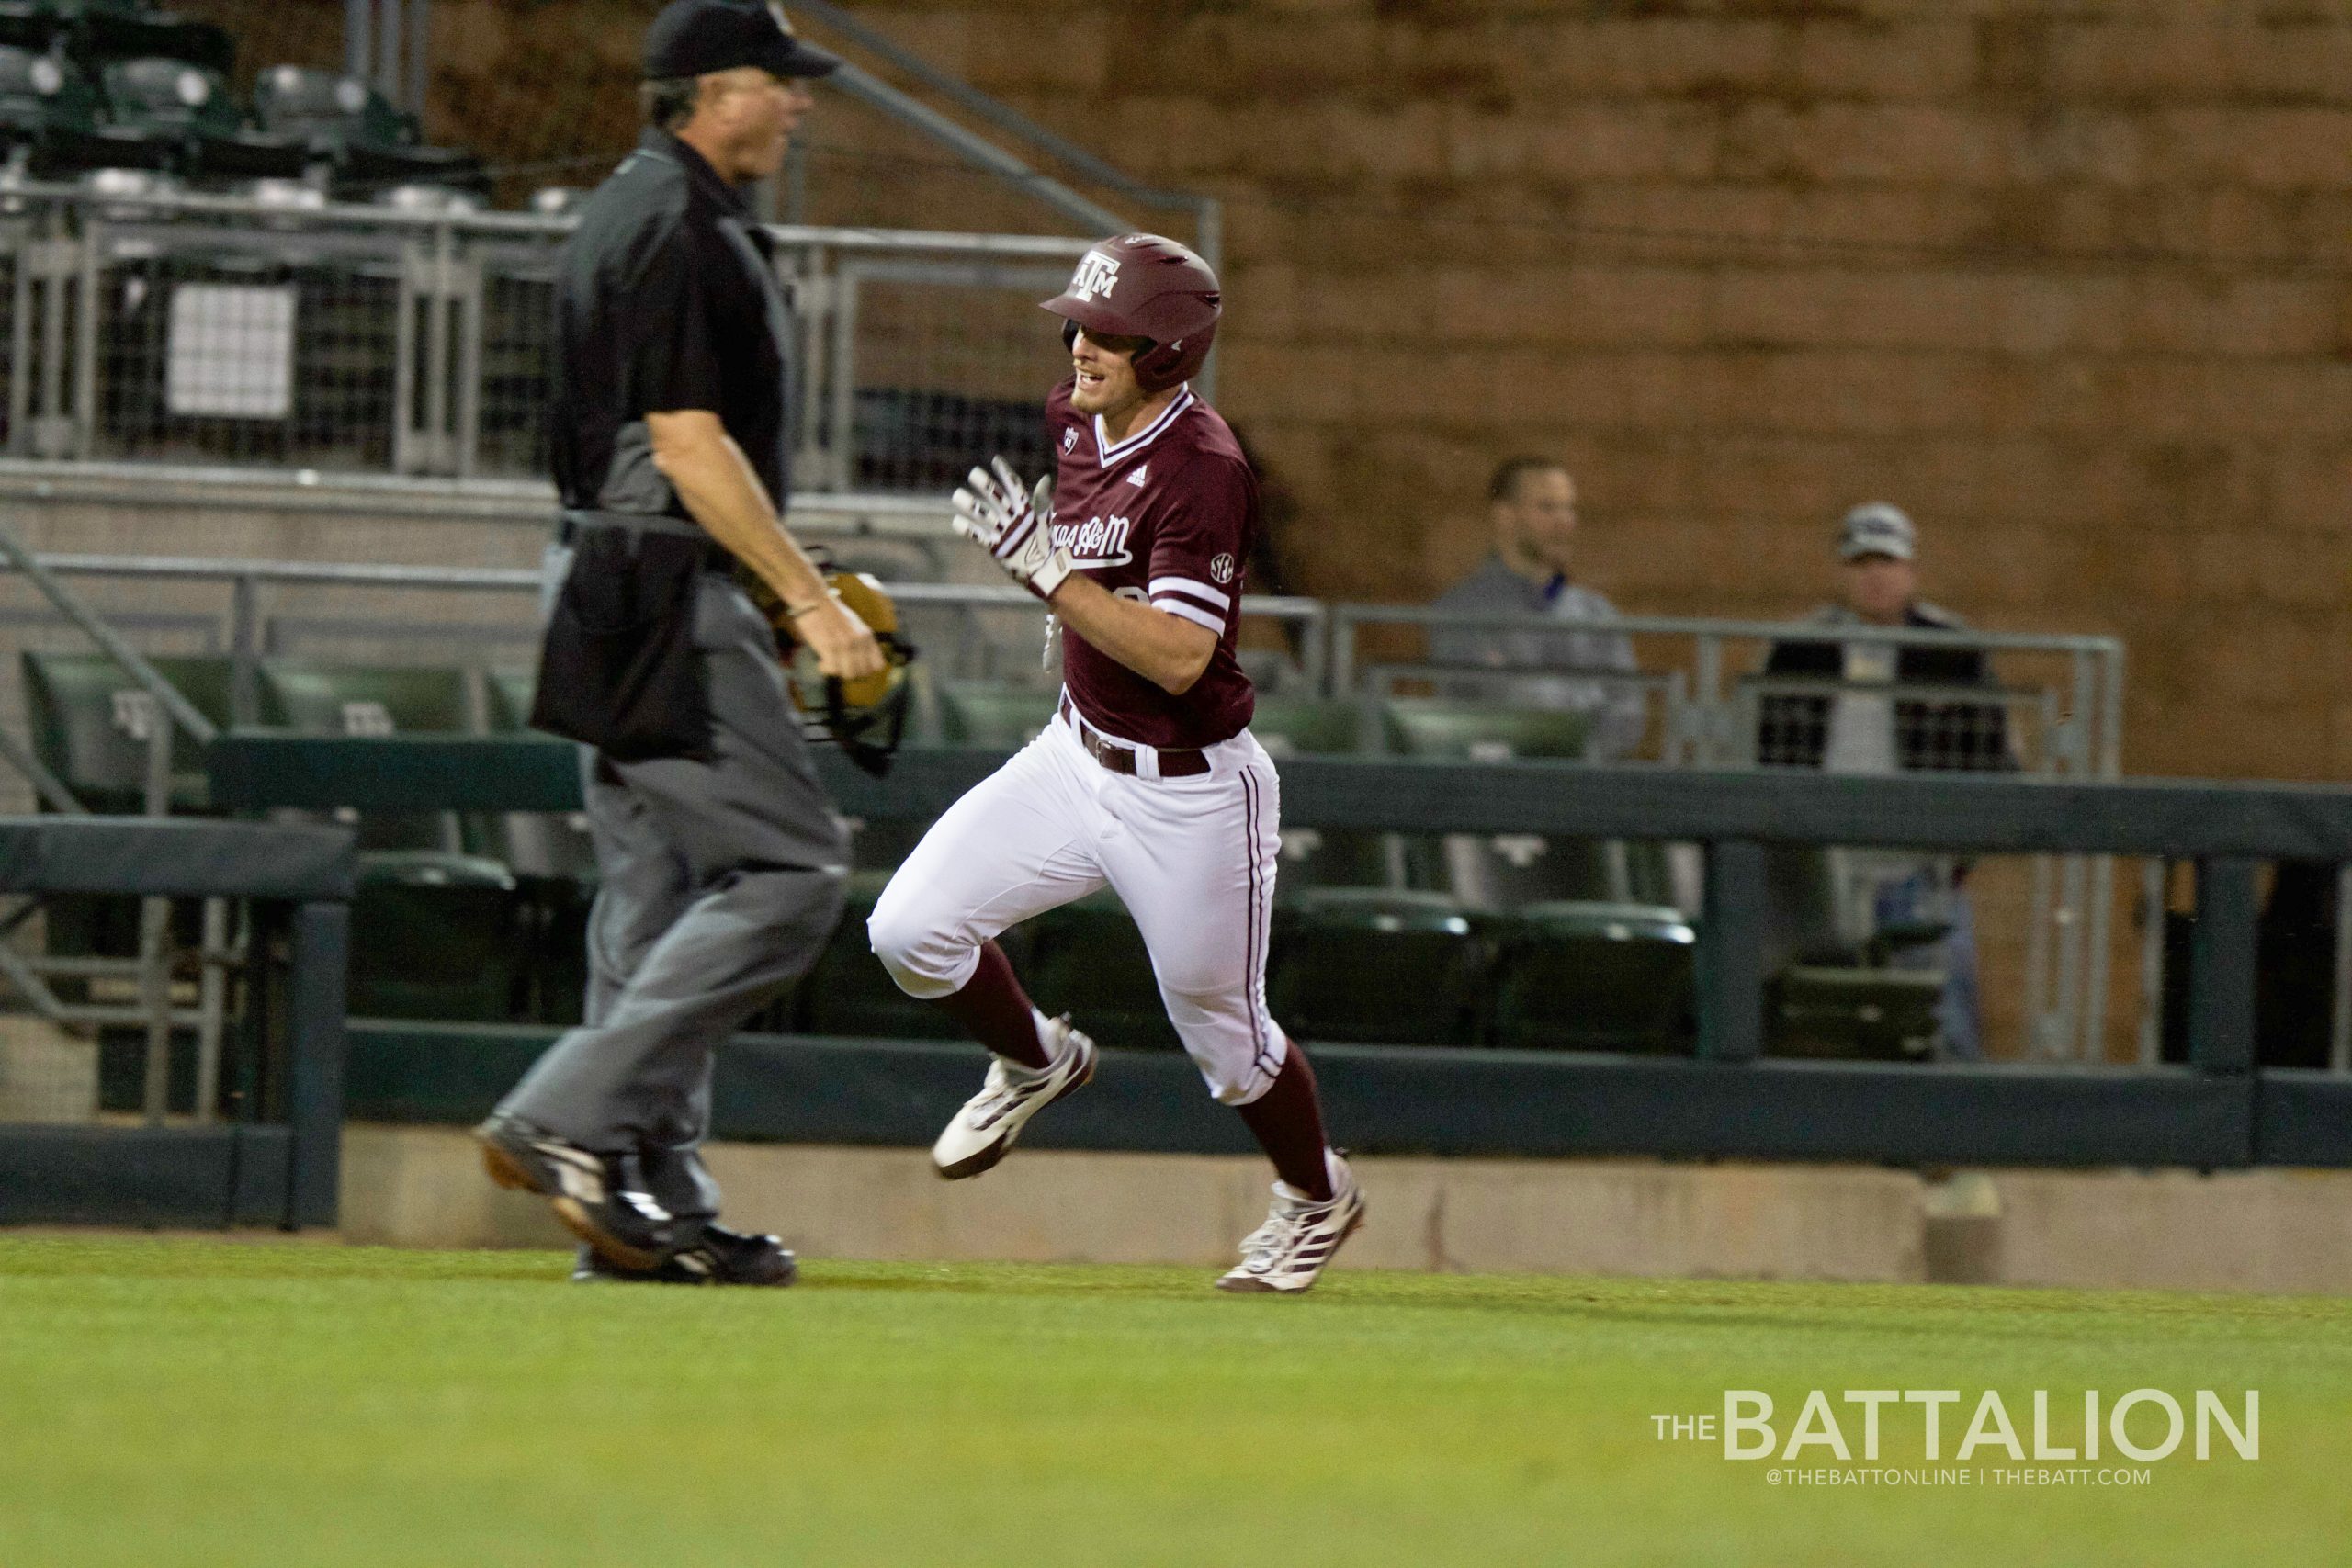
[[1070, 438], [1135, 479]]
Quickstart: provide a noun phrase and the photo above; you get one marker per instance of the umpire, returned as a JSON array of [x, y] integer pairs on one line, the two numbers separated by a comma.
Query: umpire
[[721, 862]]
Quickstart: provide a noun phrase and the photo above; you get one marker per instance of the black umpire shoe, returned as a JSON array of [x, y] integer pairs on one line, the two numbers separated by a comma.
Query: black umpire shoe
[[721, 1256], [600, 1199]]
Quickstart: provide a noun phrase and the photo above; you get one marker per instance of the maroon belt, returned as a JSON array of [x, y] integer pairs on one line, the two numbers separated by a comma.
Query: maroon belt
[[1175, 762]]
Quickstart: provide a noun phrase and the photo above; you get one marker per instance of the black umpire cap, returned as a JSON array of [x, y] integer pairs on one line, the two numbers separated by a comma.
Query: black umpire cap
[[695, 38]]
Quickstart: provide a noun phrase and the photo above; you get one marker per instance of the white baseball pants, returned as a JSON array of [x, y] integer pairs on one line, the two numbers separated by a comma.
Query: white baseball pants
[[1192, 858]]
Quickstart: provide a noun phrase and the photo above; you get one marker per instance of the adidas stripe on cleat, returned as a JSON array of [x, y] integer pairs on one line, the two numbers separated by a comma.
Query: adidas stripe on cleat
[[1289, 1252], [984, 1130]]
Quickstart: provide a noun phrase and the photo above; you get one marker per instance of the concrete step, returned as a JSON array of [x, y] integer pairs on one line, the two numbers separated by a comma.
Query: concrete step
[[48, 1073]]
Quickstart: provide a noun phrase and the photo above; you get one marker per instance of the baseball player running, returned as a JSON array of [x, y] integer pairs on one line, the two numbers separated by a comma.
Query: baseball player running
[[1148, 779]]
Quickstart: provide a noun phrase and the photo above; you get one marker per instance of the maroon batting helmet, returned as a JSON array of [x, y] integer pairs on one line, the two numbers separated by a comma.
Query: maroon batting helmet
[[1144, 286]]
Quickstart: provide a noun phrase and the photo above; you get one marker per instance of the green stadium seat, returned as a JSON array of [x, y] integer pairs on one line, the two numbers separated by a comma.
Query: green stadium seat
[[507, 695], [1853, 1014], [1307, 727], [544, 908], [327, 107], [556, 850], [1376, 966], [1322, 857], [992, 714], [538, 844], [554, 864], [88, 723], [164, 94], [438, 936], [1088, 960], [1649, 871], [29, 26], [1830, 997], [882, 843], [374, 146], [1505, 872], [555, 914], [104, 30], [421, 874], [355, 699], [187, 105], [94, 31], [1480, 732], [366, 170], [362, 699], [552, 844], [847, 992], [1592, 977], [41, 96], [1339, 857]]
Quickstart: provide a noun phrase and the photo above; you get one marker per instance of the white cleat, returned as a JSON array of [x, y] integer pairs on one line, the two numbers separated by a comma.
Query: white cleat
[[1288, 1252], [982, 1133]]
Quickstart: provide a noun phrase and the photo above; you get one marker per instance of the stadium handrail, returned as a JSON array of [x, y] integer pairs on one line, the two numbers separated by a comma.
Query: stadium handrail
[[196, 1175], [1207, 212], [90, 624], [2225, 829]]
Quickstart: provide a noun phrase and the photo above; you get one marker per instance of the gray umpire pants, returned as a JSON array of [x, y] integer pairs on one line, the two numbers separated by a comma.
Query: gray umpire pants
[[719, 883]]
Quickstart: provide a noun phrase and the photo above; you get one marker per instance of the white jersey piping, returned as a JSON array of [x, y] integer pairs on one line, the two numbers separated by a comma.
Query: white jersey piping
[[1108, 452]]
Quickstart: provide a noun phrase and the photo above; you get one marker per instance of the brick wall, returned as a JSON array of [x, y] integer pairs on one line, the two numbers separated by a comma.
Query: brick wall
[[2067, 281]]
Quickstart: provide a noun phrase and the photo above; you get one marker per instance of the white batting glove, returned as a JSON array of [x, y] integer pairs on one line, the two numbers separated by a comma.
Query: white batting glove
[[996, 512]]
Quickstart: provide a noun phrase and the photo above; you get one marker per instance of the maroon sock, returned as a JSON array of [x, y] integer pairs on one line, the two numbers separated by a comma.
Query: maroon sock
[[1288, 1121], [994, 1007]]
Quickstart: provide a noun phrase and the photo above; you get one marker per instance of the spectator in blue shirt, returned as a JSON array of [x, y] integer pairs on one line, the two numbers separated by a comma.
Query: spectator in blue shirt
[[1531, 502]]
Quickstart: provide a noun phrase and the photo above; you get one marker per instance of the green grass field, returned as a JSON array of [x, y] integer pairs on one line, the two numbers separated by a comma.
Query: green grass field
[[168, 1401]]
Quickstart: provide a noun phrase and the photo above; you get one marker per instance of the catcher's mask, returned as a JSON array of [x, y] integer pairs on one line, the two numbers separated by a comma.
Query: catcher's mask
[[865, 716]]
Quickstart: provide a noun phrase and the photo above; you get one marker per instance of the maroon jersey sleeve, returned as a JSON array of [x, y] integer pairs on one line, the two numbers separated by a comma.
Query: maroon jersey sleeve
[[1199, 542]]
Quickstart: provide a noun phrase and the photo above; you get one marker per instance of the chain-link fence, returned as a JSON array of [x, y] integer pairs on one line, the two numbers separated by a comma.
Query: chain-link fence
[[170, 327]]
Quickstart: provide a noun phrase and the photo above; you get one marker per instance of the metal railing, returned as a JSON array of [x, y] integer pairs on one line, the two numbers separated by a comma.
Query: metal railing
[[1738, 1098], [1705, 713], [156, 711], [179, 327], [1206, 212], [2086, 740], [2069, 724], [252, 631], [276, 1159], [1702, 702]]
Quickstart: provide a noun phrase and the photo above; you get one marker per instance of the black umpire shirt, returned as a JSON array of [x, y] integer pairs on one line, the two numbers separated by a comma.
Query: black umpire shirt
[[665, 299]]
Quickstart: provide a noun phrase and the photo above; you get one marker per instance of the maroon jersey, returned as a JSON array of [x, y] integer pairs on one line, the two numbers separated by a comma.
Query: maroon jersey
[[1165, 517]]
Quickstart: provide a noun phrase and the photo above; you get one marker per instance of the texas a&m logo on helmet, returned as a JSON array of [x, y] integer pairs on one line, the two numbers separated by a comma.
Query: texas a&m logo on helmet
[[1167, 297], [1097, 274]]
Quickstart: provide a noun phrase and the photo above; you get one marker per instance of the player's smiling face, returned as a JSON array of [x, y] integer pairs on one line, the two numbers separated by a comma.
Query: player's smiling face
[[1106, 374]]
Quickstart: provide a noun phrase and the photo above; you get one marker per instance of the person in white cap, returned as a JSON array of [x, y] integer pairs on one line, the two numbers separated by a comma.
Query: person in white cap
[[1913, 726]]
